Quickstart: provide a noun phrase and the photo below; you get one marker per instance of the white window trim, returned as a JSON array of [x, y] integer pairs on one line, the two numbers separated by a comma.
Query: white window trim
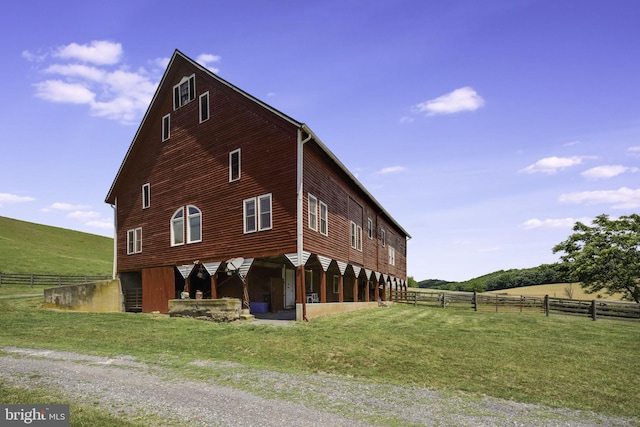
[[177, 100], [255, 215], [392, 255], [359, 238], [173, 220], [166, 127], [261, 227], [204, 95], [353, 234], [313, 212], [324, 218], [231, 178], [188, 223], [257, 221], [146, 195], [134, 236]]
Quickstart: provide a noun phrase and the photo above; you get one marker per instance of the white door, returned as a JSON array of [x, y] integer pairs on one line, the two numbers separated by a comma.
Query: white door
[[289, 288]]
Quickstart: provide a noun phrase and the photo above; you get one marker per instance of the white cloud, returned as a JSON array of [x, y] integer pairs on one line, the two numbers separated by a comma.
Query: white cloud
[[205, 59], [463, 99], [634, 151], [115, 93], [83, 215], [6, 199], [59, 206], [105, 224], [391, 169], [608, 171], [59, 91], [551, 165], [571, 143], [99, 52], [406, 119], [535, 223], [622, 198]]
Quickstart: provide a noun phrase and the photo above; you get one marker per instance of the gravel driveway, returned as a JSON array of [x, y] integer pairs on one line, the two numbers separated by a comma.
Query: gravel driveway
[[230, 394]]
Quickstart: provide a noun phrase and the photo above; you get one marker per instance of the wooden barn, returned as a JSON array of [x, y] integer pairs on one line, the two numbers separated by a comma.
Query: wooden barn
[[221, 195]]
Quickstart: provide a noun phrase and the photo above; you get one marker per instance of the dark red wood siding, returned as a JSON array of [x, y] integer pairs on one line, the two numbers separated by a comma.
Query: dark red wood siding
[[192, 168], [346, 203]]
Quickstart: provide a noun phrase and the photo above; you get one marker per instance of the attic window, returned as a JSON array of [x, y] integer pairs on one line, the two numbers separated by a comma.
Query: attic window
[[184, 92]]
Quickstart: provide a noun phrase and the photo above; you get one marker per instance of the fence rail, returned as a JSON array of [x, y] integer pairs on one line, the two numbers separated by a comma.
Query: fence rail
[[46, 279], [521, 304]]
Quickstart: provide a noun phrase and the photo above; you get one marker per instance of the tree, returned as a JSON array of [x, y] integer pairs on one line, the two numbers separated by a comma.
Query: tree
[[411, 282], [605, 256]]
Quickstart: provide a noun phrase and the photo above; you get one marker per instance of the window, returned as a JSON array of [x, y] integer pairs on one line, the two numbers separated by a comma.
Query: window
[[369, 228], [234, 165], [257, 214], [146, 196], [194, 221], [204, 107], [166, 127], [264, 212], [324, 219], [383, 237], [177, 228], [356, 236], [336, 284], [392, 256], [134, 241], [184, 92], [313, 213], [250, 215]]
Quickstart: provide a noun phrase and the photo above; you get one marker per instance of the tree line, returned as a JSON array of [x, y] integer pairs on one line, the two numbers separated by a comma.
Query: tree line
[[603, 256]]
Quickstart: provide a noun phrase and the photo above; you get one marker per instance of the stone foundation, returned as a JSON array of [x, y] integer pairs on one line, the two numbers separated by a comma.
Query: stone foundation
[[215, 310]]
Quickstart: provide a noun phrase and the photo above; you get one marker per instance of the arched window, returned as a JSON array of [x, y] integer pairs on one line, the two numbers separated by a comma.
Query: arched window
[[177, 228], [194, 224]]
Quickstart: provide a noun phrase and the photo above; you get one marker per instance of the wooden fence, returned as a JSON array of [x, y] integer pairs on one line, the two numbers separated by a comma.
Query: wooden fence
[[46, 279], [507, 303]]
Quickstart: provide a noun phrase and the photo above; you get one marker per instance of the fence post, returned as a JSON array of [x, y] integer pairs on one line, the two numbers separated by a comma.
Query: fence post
[[496, 303], [521, 302], [475, 301], [546, 305], [32, 280], [442, 301], [415, 299], [593, 309]]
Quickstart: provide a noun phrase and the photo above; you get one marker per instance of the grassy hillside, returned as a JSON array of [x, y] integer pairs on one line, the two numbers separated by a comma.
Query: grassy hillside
[[32, 248], [557, 290]]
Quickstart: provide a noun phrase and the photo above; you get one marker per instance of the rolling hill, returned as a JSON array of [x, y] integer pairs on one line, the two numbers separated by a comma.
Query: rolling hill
[[33, 248]]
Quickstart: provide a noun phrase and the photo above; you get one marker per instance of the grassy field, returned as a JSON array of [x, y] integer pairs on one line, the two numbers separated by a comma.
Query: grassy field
[[32, 248], [556, 361], [557, 290]]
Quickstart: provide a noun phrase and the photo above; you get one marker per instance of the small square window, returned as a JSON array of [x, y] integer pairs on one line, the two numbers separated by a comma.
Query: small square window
[[166, 127], [134, 241]]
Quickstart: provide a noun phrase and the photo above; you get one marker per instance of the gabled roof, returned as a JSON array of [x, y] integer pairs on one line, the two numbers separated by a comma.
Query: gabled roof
[[177, 54]]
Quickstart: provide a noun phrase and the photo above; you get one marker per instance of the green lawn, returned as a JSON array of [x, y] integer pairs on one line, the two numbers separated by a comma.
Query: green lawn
[[557, 361]]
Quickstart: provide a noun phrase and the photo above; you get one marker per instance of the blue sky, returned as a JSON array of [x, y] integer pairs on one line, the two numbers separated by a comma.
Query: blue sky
[[486, 128]]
